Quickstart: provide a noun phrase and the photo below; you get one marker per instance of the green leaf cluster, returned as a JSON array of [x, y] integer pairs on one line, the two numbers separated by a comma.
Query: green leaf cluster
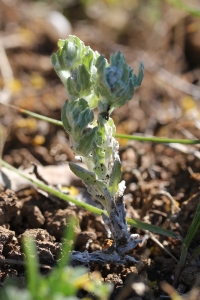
[[91, 82], [87, 74], [116, 82], [75, 65]]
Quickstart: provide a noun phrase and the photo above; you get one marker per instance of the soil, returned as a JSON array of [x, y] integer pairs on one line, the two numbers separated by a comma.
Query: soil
[[154, 173]]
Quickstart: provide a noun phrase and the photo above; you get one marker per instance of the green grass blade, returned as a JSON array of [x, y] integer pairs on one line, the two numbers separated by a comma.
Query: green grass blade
[[191, 9], [193, 228], [32, 114], [181, 262], [117, 135], [93, 209], [53, 191], [156, 139], [67, 244], [153, 228], [33, 277]]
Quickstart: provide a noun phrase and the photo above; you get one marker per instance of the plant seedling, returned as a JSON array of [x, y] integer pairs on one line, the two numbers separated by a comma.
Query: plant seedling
[[93, 83]]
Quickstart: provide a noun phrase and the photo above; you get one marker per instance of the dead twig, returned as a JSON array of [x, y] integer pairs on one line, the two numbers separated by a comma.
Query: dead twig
[[7, 74], [153, 238], [148, 205]]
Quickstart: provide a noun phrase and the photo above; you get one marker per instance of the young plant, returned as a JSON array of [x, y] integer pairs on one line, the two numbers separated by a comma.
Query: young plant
[[94, 84]]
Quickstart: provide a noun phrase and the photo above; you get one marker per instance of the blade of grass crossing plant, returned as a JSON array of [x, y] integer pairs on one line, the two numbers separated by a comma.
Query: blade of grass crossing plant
[[154, 139], [33, 276], [53, 191], [34, 115], [88, 207], [117, 135], [68, 242], [153, 228]]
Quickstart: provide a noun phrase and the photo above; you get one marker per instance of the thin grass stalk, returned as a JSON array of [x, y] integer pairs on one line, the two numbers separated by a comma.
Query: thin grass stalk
[[132, 222], [140, 138]]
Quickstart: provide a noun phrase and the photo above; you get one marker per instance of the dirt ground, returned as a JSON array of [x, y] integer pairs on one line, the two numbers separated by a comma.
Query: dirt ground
[[167, 40]]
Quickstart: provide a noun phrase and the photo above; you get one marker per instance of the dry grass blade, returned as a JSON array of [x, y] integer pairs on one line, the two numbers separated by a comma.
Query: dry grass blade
[[167, 288], [2, 139]]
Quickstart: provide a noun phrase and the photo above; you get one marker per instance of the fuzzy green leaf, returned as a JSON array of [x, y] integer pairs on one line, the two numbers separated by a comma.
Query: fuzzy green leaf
[[85, 175], [115, 177]]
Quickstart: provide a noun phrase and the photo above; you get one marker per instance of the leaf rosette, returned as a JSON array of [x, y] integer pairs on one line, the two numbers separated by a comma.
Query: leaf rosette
[[75, 65], [116, 82]]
